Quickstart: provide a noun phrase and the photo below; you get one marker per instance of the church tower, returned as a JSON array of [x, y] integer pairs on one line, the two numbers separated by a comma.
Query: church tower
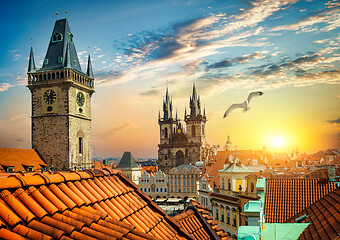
[[61, 103], [195, 125]]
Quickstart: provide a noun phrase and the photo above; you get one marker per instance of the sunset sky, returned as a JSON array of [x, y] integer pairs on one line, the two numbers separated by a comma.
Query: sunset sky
[[287, 49]]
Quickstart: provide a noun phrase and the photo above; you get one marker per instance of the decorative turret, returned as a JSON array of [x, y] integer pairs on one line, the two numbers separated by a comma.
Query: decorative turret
[[89, 71], [195, 105], [31, 63]]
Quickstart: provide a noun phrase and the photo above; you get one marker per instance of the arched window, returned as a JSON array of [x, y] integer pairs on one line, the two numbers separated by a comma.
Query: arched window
[[165, 132], [203, 130], [57, 37], [80, 145], [229, 184], [193, 131], [252, 188]]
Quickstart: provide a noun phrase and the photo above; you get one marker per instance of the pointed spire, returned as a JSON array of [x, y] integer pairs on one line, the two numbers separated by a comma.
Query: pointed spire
[[204, 112], [31, 63], [185, 112], [176, 114], [159, 115], [89, 68], [67, 62]]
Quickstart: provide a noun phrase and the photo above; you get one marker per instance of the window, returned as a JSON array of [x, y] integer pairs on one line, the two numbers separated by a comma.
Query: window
[[188, 182], [193, 131], [10, 169], [252, 187], [57, 37], [229, 184], [172, 190], [156, 189], [149, 190], [203, 130], [228, 218], [192, 190], [164, 189], [60, 59], [75, 63], [179, 189], [165, 132], [179, 182], [161, 189], [222, 183], [175, 182], [172, 182], [45, 61], [222, 216], [216, 215], [80, 145], [192, 182], [184, 190], [175, 189], [184, 182], [234, 221]]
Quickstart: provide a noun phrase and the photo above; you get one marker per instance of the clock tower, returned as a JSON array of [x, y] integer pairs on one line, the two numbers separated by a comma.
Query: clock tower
[[61, 103]]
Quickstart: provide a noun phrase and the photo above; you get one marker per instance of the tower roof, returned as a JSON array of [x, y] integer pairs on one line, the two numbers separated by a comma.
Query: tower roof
[[61, 51], [89, 71], [127, 161]]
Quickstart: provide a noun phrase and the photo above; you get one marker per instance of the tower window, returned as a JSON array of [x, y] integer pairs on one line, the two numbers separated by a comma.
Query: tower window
[[165, 132], [75, 63], [60, 59], [80, 145], [193, 131], [57, 37], [203, 130], [46, 61]]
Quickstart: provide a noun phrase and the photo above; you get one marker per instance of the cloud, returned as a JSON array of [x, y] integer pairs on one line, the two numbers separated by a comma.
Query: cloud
[[20, 140], [16, 117], [153, 92], [329, 17], [5, 86], [242, 59]]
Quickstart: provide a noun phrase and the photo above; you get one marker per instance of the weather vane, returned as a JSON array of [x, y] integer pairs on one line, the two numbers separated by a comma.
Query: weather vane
[[65, 13], [56, 15]]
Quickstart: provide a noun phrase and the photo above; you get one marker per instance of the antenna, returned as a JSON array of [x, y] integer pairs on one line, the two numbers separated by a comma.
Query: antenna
[[31, 41]]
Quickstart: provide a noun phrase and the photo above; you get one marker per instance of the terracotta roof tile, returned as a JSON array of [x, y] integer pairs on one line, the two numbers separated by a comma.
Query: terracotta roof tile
[[19, 158], [287, 197], [324, 218], [197, 224], [82, 205]]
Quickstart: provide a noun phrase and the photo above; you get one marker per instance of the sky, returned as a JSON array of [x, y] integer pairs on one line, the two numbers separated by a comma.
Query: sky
[[287, 49]]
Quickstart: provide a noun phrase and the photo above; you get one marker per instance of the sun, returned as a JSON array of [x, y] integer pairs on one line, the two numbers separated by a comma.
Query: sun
[[277, 142]]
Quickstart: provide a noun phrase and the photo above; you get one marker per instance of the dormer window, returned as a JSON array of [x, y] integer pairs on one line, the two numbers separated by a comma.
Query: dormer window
[[75, 63], [60, 59], [57, 37], [45, 61]]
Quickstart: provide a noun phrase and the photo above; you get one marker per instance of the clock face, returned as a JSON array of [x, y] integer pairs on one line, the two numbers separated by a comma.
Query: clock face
[[80, 99], [179, 130], [50, 96]]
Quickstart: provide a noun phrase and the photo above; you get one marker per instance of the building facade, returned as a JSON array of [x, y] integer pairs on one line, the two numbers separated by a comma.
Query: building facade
[[61, 103], [183, 181], [237, 187], [204, 193], [181, 144], [154, 184]]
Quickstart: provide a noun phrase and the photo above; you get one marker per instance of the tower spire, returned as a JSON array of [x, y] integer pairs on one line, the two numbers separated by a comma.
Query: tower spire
[[31, 63], [89, 71]]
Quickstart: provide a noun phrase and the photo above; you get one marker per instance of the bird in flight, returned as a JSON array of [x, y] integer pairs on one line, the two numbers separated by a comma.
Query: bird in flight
[[243, 105]]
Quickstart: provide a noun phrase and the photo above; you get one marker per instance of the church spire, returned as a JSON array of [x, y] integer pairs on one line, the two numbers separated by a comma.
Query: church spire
[[31, 63], [89, 71], [167, 106], [195, 105]]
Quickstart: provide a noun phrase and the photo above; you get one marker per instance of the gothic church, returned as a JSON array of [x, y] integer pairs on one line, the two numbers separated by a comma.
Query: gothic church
[[61, 103], [181, 144]]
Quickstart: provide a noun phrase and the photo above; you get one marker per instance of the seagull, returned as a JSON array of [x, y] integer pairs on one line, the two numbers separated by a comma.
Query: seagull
[[243, 105]]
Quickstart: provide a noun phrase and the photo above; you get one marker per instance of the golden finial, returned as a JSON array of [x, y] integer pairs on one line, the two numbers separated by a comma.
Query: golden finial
[[65, 13], [56, 15]]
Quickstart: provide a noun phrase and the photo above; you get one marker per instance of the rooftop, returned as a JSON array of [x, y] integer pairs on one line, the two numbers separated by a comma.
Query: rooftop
[[286, 197], [127, 161], [89, 204], [323, 216]]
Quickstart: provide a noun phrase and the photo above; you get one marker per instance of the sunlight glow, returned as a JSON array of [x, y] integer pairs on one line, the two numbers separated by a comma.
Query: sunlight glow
[[277, 142]]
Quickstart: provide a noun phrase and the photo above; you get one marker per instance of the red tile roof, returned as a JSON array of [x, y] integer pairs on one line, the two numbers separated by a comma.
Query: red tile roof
[[150, 169], [197, 221], [324, 218], [97, 204], [20, 159], [286, 197]]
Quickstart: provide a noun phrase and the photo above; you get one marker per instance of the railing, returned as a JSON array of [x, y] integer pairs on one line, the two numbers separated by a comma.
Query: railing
[[235, 193]]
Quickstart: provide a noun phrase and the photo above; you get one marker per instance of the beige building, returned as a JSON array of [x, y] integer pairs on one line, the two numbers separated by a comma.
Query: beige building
[[154, 184], [129, 167], [237, 187], [61, 103], [183, 181]]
